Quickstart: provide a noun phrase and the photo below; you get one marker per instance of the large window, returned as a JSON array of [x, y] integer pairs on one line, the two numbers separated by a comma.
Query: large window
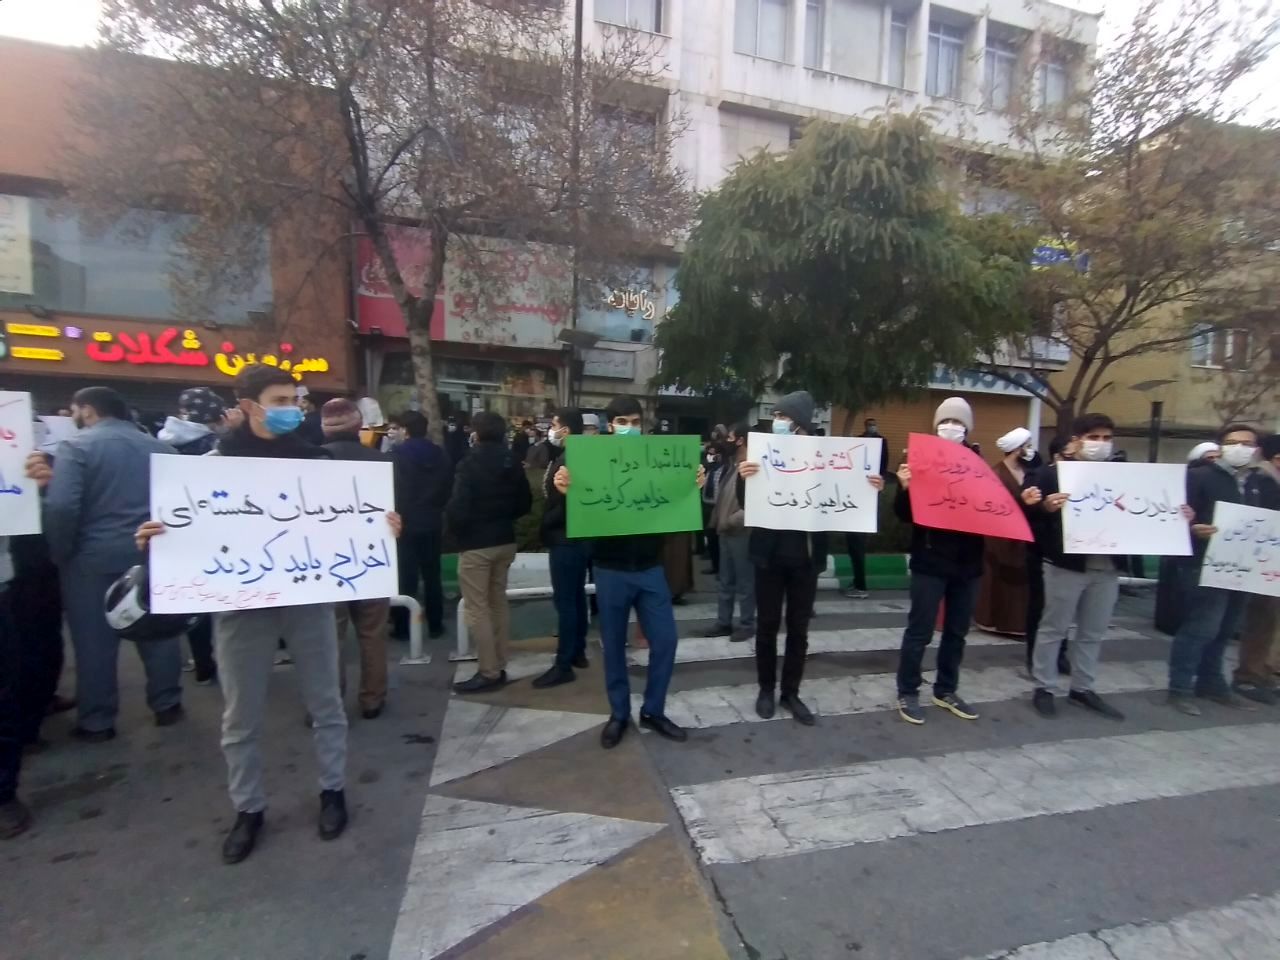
[[640, 14], [623, 307], [898, 50], [1054, 84], [1000, 68], [760, 28], [1221, 349], [814, 17], [125, 270], [946, 60]]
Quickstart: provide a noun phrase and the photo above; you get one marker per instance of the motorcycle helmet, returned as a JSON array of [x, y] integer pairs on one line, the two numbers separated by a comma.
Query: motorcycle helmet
[[128, 610]]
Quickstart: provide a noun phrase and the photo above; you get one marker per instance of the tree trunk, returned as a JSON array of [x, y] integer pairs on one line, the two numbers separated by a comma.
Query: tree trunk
[[1066, 417], [418, 322]]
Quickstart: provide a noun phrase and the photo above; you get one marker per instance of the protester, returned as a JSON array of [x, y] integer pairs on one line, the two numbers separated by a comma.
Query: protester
[[737, 580], [342, 422], [490, 492], [568, 560], [1006, 593], [677, 564], [15, 818], [540, 453], [244, 640], [524, 438], [1079, 589], [787, 564], [629, 575], [945, 568], [424, 480], [713, 461], [871, 429], [311, 429], [1211, 616], [456, 436], [1255, 677], [96, 493], [1202, 453], [855, 544], [35, 605], [590, 425], [194, 432]]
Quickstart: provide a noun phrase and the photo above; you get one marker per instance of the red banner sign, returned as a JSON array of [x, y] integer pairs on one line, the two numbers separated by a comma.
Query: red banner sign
[[376, 307], [953, 489]]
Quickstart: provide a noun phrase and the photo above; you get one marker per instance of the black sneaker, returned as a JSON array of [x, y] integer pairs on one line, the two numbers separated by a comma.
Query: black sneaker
[[243, 836], [15, 818], [1091, 701], [796, 707], [1042, 700], [957, 706], [554, 677], [333, 814], [909, 709], [719, 630]]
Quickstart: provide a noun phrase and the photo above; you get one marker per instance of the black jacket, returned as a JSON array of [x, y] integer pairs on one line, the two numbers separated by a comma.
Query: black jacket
[[490, 492], [347, 446], [555, 515], [424, 480], [642, 551], [1208, 485], [939, 553], [1046, 527], [774, 548]]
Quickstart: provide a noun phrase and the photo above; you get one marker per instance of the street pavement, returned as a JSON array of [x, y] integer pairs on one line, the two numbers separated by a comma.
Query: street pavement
[[495, 827]]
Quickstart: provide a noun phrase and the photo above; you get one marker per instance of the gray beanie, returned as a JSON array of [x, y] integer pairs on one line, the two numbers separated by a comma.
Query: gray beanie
[[954, 408], [799, 407]]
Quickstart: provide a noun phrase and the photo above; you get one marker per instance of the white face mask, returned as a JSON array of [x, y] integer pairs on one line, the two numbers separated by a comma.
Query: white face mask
[[1095, 450], [1029, 454], [951, 431], [555, 438], [1237, 455]]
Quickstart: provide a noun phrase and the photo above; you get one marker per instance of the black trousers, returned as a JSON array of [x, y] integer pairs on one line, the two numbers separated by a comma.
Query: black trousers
[[927, 593], [35, 606], [12, 719], [797, 587], [708, 536], [420, 561], [856, 545], [200, 640]]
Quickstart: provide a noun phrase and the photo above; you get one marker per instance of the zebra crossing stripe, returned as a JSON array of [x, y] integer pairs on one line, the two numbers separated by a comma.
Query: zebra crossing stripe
[[869, 693], [745, 819], [1248, 929]]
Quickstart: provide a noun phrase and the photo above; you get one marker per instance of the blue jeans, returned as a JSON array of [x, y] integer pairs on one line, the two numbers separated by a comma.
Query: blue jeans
[[568, 574], [961, 595], [1211, 618], [618, 591]]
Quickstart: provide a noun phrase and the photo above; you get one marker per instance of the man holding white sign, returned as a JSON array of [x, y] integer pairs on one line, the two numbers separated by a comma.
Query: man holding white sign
[[300, 544]]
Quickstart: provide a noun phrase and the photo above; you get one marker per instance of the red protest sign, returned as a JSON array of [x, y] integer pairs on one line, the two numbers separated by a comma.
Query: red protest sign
[[952, 489]]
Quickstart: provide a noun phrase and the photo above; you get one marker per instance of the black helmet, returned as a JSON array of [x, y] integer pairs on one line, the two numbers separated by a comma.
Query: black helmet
[[128, 610]]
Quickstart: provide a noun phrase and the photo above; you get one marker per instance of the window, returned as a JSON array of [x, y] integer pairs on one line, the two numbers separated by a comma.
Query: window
[[760, 28], [946, 58], [1000, 65], [1053, 84], [813, 30], [125, 270], [898, 50], [1221, 349], [638, 14]]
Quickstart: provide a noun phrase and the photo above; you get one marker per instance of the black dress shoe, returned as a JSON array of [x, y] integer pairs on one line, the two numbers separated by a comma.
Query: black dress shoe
[[581, 662], [333, 814], [167, 718], [240, 841], [612, 733], [1042, 701], [664, 727], [554, 677], [796, 707], [15, 818], [764, 705], [93, 736], [480, 683], [372, 713]]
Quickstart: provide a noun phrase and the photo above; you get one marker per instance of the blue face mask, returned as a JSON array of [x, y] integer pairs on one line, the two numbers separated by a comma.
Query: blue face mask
[[282, 420], [627, 431], [782, 426]]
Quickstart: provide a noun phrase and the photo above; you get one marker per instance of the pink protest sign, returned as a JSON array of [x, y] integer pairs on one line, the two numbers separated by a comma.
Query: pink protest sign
[[952, 489]]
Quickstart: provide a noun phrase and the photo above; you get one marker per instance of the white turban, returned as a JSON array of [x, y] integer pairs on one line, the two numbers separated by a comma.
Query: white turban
[[1200, 449], [1015, 439]]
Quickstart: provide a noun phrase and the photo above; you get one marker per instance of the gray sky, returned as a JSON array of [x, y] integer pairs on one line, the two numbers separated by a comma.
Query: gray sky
[[74, 22]]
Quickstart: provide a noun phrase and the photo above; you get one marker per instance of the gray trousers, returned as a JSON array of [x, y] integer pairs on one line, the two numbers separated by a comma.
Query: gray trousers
[[1086, 599], [98, 650], [244, 643], [737, 579]]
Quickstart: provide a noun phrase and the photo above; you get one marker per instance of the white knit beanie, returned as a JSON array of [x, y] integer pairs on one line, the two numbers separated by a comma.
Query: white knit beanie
[[954, 408]]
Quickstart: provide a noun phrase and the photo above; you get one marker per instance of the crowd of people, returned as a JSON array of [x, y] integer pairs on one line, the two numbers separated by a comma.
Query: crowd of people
[[474, 490]]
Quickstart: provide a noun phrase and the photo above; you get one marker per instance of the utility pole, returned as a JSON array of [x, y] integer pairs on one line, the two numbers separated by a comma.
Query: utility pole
[[575, 195]]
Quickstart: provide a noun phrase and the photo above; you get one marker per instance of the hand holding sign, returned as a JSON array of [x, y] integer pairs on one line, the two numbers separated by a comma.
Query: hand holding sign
[[951, 488], [1123, 508]]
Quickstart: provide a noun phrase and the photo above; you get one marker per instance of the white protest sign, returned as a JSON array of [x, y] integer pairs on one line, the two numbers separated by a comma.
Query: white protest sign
[[812, 483], [1124, 508], [1245, 552], [19, 497], [243, 532], [51, 431]]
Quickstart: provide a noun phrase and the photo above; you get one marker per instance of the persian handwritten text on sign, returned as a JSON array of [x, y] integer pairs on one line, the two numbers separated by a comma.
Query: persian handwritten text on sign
[[242, 532], [1124, 508], [1245, 552], [19, 497], [953, 489], [626, 485], [812, 483]]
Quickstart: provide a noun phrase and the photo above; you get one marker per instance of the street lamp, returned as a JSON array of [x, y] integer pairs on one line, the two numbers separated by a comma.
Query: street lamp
[[1157, 416]]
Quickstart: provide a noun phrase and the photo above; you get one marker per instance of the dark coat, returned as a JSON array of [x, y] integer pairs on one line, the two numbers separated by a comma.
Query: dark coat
[[490, 492], [1002, 598], [1046, 527], [347, 446], [555, 513], [424, 481], [939, 553], [1208, 485]]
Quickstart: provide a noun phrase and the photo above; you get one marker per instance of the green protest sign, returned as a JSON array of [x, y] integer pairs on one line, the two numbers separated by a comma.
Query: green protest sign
[[626, 485]]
